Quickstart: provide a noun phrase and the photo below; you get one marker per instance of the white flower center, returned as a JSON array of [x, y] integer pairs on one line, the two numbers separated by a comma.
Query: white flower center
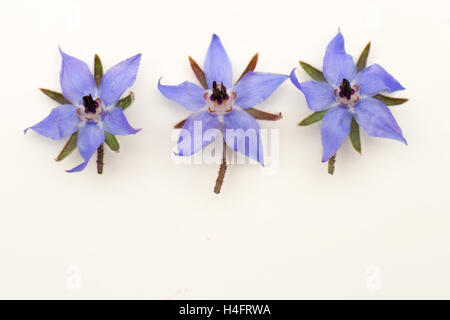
[[347, 95], [91, 110], [219, 100]]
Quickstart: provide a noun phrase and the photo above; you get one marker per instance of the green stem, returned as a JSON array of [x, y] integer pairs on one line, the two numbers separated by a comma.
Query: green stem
[[331, 163], [222, 169], [100, 154]]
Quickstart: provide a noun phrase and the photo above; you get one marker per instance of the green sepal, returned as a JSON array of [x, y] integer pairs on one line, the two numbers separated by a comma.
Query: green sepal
[[111, 141], [250, 67], [262, 115], [389, 101], [331, 163], [362, 61], [98, 70], [70, 145], [199, 73], [314, 73], [355, 137], [58, 97], [313, 118], [126, 101]]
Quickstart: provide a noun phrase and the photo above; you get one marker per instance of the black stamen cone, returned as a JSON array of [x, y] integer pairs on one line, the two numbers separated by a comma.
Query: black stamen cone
[[219, 94], [346, 89], [89, 104]]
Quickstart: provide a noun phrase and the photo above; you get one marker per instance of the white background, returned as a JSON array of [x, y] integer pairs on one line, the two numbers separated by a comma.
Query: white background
[[149, 228]]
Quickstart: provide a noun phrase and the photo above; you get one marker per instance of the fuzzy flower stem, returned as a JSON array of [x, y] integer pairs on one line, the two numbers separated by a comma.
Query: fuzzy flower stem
[[222, 169], [100, 154], [331, 163]]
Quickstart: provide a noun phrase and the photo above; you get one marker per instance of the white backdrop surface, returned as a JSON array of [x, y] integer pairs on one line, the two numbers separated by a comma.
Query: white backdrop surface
[[151, 228]]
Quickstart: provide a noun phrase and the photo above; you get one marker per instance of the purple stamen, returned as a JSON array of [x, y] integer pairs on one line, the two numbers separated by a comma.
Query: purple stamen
[[90, 105], [219, 94], [346, 89]]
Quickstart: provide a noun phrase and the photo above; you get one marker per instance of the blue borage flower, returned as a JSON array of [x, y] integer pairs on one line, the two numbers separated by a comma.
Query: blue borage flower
[[90, 109], [222, 106], [347, 94]]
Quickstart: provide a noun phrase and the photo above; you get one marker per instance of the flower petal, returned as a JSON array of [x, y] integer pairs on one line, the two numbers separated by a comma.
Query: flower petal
[[199, 130], [335, 128], [319, 95], [374, 117], [188, 94], [294, 79], [255, 87], [374, 79], [61, 122], [76, 79], [337, 64], [217, 64], [90, 137], [79, 167], [241, 132], [118, 79], [115, 122]]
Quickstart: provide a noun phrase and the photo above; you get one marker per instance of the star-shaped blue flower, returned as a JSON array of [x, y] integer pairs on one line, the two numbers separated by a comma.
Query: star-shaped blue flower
[[348, 94], [92, 111], [221, 105]]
